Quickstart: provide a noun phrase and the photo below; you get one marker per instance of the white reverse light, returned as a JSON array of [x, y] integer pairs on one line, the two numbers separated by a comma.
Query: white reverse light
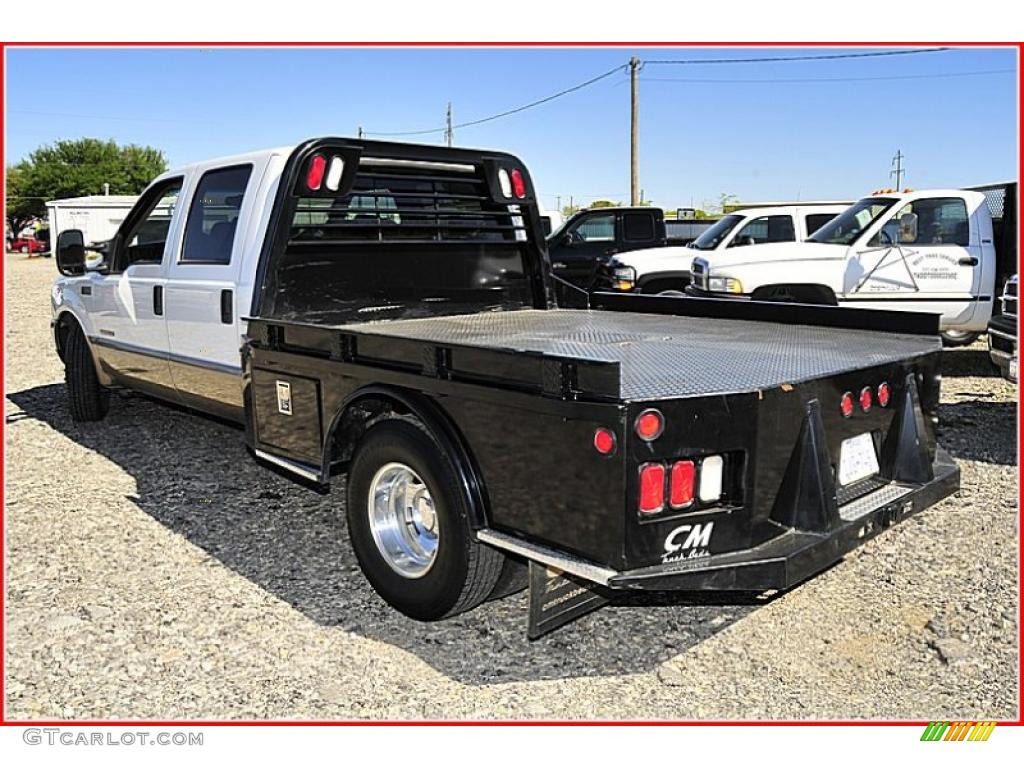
[[334, 171], [711, 478], [505, 182]]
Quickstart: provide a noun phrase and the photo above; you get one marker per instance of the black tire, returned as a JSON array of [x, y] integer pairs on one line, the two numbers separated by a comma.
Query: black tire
[[464, 572], [86, 398], [959, 338]]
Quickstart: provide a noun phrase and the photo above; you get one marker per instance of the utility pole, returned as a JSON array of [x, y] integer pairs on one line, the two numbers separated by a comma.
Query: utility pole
[[558, 203], [634, 130], [448, 134], [897, 169], [360, 131]]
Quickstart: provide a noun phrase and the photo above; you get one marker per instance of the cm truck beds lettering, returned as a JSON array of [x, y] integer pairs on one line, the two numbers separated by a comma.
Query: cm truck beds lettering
[[399, 324]]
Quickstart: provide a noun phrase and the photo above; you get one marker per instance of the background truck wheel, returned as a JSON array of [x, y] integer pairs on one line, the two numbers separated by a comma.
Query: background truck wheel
[[958, 338], [87, 399], [24, 249], [409, 525]]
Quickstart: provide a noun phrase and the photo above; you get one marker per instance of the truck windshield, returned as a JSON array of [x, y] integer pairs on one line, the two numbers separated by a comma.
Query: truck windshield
[[845, 228], [711, 238]]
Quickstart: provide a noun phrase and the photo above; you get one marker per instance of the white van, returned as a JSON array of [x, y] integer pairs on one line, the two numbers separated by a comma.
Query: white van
[[928, 251]]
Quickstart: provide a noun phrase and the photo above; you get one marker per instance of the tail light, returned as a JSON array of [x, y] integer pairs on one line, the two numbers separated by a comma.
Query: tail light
[[865, 399], [884, 394], [518, 184], [650, 424], [846, 405], [604, 441], [681, 485], [711, 478], [315, 174], [652, 488]]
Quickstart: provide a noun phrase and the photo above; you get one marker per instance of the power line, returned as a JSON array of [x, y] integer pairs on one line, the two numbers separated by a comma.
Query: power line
[[823, 79], [507, 112], [816, 57]]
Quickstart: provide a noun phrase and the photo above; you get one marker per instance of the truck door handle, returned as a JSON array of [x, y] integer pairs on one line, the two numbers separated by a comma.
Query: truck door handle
[[227, 315], [968, 261], [158, 299]]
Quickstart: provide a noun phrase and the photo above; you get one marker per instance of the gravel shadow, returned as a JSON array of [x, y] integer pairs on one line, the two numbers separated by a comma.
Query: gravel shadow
[[968, 361], [979, 430], [194, 476]]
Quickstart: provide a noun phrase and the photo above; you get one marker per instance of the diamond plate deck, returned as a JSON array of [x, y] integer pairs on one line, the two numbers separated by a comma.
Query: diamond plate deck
[[663, 356]]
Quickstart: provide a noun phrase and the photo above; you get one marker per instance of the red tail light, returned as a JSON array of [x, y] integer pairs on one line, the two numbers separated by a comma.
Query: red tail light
[[315, 174], [884, 394], [518, 185], [652, 488], [681, 485], [846, 405], [865, 399], [604, 441], [649, 425]]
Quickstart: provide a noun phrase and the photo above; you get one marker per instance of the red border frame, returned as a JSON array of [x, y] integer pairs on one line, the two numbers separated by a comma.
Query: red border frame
[[496, 44]]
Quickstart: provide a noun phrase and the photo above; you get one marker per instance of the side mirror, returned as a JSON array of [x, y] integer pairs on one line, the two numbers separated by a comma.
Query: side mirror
[[71, 252]]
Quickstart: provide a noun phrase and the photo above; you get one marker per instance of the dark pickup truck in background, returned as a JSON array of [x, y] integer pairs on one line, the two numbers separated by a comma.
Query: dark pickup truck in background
[[589, 238]]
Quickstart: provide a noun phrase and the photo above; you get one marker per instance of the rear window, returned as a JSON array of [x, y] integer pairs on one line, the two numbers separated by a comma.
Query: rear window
[[816, 221], [638, 226], [403, 243], [213, 217]]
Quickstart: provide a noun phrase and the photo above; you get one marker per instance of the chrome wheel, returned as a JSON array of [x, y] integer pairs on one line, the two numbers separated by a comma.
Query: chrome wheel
[[403, 520]]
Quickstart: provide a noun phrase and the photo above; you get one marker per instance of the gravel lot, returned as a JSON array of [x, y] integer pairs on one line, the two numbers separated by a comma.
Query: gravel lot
[[155, 571]]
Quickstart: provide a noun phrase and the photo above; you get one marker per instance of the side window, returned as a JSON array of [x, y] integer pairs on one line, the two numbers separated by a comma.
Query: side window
[[816, 221], [933, 221], [213, 217], [766, 229], [148, 226], [638, 226], [594, 229]]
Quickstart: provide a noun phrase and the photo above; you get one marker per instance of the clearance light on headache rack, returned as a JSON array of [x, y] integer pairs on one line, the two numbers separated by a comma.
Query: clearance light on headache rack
[[315, 173], [518, 184], [334, 171], [504, 182]]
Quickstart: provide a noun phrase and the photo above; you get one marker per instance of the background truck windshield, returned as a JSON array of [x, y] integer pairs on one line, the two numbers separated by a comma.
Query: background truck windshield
[[716, 234], [845, 228]]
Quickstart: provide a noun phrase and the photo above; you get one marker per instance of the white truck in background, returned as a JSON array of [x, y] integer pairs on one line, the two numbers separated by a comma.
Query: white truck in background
[[931, 250], [656, 270]]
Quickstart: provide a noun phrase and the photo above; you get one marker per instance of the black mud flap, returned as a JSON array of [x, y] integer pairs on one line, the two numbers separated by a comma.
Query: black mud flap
[[557, 597]]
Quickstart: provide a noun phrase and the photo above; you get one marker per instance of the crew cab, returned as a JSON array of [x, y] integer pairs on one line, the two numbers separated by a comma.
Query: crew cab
[[928, 251], [655, 270], [387, 312]]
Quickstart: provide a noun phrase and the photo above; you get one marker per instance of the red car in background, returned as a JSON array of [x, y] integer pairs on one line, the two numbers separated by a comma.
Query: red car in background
[[27, 245]]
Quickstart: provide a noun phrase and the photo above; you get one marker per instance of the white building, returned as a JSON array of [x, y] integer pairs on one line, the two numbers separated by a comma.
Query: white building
[[98, 216]]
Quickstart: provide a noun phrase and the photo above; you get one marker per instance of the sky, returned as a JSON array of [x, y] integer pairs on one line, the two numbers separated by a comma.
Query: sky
[[762, 131]]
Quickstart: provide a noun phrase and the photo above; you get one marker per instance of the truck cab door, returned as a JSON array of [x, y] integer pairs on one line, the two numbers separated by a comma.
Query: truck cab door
[[201, 302], [584, 244], [127, 300], [927, 252]]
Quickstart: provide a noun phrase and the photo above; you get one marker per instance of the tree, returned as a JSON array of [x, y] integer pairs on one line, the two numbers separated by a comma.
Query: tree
[[726, 200], [603, 204], [72, 168]]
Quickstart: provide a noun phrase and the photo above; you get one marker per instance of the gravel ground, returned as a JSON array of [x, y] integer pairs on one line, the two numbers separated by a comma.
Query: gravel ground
[[155, 571]]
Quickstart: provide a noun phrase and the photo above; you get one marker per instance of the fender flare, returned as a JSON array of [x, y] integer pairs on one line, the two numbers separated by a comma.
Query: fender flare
[[440, 426]]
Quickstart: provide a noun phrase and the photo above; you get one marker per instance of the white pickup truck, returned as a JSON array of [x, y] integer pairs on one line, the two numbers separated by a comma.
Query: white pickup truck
[[656, 270], [927, 251]]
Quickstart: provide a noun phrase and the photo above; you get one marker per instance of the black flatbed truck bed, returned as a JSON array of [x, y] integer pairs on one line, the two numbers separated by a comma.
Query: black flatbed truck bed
[[538, 408]]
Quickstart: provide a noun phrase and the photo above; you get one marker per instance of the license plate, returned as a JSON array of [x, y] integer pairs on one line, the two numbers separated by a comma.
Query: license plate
[[857, 459]]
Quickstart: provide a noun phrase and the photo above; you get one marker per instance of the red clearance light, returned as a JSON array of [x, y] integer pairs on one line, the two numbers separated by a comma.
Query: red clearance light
[[315, 174], [652, 488], [518, 185], [884, 394], [846, 405], [604, 441], [681, 486], [865, 399], [650, 424]]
